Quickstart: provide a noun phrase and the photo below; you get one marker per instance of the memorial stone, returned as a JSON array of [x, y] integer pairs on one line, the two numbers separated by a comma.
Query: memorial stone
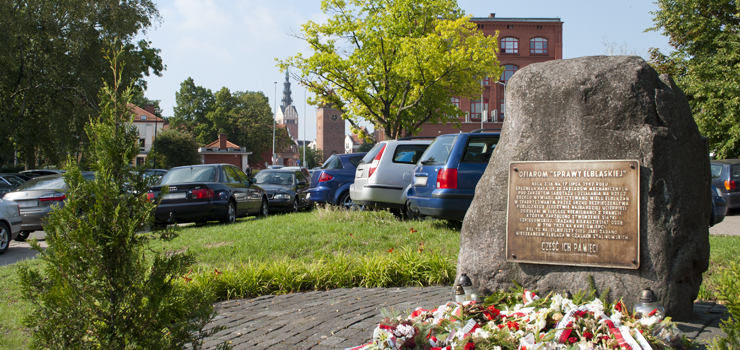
[[650, 232]]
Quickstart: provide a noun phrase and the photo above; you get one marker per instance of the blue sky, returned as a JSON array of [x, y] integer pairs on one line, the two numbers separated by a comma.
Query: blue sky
[[234, 43]]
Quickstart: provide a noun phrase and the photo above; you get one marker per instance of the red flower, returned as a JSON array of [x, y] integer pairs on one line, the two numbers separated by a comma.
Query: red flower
[[512, 325], [588, 335], [469, 346], [618, 306], [493, 310], [500, 326], [573, 340]]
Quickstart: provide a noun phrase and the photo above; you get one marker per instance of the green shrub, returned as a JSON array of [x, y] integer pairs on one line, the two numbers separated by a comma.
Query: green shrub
[[99, 286], [380, 269], [729, 292]]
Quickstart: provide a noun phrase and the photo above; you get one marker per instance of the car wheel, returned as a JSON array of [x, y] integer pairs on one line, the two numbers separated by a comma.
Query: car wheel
[[345, 202], [230, 217], [412, 213], [295, 205], [264, 209], [4, 238], [23, 235]]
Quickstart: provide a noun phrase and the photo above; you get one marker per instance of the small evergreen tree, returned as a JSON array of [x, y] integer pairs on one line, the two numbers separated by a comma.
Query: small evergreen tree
[[100, 287]]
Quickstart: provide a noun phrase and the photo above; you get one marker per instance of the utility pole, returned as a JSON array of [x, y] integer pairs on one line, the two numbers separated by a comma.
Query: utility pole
[[274, 121]]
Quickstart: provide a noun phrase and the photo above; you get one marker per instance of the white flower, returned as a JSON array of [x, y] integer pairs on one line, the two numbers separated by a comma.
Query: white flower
[[649, 320], [496, 347], [405, 331], [557, 300], [481, 334], [617, 318]]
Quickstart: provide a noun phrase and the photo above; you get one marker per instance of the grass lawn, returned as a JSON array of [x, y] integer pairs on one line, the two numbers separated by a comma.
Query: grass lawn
[[287, 253]]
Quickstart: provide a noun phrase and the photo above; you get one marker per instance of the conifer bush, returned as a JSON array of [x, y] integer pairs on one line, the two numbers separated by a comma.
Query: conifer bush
[[100, 285]]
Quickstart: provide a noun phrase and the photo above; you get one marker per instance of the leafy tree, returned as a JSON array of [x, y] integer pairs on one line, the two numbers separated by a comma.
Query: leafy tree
[[314, 157], [51, 69], [394, 63], [192, 105], [175, 148], [366, 146], [101, 286], [245, 117], [705, 64]]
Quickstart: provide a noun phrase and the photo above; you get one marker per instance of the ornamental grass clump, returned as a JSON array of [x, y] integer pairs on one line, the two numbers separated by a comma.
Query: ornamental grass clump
[[99, 286], [729, 293]]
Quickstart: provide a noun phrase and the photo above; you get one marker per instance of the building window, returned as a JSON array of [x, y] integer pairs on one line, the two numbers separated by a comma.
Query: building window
[[143, 117], [142, 144], [476, 108], [486, 82], [509, 45], [538, 45], [455, 102], [509, 70]]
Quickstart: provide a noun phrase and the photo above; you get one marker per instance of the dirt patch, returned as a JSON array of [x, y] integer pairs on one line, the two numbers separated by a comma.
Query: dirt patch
[[219, 244]]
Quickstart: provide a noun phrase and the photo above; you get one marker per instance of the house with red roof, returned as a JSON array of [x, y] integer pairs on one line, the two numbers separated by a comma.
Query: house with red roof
[[149, 125], [224, 151]]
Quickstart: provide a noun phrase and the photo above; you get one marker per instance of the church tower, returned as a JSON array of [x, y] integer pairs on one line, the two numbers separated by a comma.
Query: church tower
[[287, 114], [329, 131]]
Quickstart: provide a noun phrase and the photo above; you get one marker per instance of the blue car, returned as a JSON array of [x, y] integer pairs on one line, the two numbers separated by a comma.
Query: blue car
[[445, 177], [330, 183]]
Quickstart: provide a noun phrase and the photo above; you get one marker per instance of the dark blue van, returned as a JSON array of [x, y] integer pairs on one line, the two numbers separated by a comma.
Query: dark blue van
[[330, 183], [445, 177]]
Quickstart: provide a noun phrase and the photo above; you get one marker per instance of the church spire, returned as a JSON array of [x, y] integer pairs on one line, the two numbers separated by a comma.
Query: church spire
[[287, 100]]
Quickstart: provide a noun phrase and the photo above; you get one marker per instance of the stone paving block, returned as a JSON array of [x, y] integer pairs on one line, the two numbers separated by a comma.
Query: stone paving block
[[275, 322]]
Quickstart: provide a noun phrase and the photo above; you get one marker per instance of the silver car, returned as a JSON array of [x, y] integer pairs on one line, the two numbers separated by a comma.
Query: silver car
[[37, 198], [10, 223], [383, 176]]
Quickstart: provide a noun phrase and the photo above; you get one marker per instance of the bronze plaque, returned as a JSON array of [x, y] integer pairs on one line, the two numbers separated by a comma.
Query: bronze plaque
[[578, 213]]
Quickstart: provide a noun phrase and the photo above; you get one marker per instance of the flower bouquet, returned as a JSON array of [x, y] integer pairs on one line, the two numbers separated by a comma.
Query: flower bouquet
[[523, 321]]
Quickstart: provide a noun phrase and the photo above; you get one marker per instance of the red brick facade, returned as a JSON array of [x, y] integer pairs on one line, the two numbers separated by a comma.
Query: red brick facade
[[522, 41], [330, 131]]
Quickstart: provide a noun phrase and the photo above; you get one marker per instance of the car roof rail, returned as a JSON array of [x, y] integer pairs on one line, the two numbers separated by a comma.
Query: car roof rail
[[416, 137], [476, 131]]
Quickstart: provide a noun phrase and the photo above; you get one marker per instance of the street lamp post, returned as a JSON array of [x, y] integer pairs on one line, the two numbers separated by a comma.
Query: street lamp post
[[305, 120], [482, 111], [503, 108], [156, 111], [274, 121]]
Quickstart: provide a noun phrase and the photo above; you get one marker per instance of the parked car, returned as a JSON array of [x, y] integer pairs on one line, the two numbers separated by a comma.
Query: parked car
[[37, 198], [23, 177], [10, 223], [330, 183], [719, 207], [726, 176], [206, 192], [42, 172], [285, 189], [8, 183], [384, 174], [303, 171], [447, 173], [155, 172]]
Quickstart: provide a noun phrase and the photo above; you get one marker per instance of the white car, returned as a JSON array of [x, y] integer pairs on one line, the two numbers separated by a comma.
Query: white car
[[10, 223], [383, 176]]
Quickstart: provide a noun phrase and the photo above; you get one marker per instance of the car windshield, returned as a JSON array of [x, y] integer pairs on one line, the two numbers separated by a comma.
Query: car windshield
[[274, 178], [438, 151], [15, 181], [43, 183], [189, 174]]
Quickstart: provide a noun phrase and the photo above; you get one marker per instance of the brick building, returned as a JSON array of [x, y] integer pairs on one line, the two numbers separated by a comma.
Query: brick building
[[330, 131], [522, 41], [224, 151]]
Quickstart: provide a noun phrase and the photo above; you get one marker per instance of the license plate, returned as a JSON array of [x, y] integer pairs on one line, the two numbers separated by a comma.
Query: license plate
[[420, 181], [180, 195], [27, 204]]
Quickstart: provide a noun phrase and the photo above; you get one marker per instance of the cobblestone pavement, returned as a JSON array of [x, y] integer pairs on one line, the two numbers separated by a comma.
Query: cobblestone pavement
[[343, 318]]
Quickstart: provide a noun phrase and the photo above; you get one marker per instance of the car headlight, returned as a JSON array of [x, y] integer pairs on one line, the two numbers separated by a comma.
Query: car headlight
[[282, 196]]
